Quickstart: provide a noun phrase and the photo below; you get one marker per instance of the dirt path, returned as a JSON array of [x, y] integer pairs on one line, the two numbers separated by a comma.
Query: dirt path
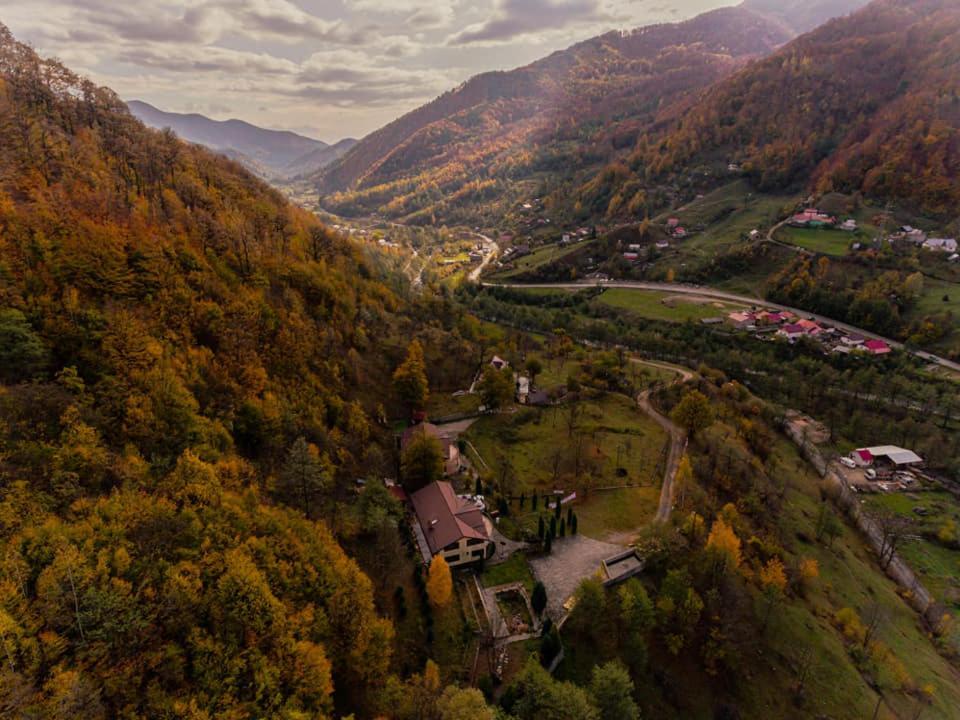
[[474, 276], [678, 438]]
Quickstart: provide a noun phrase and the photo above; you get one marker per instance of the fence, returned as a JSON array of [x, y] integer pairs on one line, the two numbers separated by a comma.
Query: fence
[[847, 499]]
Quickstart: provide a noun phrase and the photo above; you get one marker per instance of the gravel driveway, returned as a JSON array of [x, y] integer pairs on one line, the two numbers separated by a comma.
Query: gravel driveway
[[573, 559]]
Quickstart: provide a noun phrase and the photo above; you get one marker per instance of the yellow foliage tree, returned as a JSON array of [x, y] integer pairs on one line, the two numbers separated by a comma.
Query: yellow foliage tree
[[850, 624], [773, 577], [439, 582], [773, 581], [431, 673], [725, 545], [807, 572]]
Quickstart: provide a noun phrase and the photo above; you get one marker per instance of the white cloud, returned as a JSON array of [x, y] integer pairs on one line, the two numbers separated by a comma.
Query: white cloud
[[340, 67], [517, 18]]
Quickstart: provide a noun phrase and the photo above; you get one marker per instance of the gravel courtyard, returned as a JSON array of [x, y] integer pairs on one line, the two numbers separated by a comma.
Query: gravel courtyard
[[572, 560]]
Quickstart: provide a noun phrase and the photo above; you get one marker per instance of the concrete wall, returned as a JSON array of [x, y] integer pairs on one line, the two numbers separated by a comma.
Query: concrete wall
[[849, 501]]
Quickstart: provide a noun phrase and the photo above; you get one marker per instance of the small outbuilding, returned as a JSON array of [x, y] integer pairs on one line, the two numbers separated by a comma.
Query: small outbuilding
[[885, 457]]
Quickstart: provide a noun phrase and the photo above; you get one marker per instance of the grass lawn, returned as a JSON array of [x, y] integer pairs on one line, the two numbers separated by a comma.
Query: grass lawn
[[538, 258], [555, 371], [443, 404], [828, 242], [735, 205], [611, 512], [665, 306], [516, 569], [938, 566], [728, 214], [532, 438], [931, 300], [540, 453]]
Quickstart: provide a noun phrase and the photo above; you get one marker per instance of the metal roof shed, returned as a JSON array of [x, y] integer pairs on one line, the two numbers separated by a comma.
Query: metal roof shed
[[896, 455]]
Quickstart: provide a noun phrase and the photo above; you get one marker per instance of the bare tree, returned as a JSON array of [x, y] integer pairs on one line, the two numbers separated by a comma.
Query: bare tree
[[873, 620], [893, 528], [804, 666], [573, 416]]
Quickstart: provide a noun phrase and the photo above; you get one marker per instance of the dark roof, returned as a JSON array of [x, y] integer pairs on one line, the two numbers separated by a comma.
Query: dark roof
[[425, 428], [445, 518], [538, 397]]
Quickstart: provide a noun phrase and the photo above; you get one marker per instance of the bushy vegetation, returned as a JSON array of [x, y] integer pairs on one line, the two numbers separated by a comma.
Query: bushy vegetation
[[183, 355]]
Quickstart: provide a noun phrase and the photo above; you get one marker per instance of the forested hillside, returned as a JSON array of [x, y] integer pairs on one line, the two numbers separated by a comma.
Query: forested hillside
[[804, 15], [502, 134], [190, 374], [869, 103]]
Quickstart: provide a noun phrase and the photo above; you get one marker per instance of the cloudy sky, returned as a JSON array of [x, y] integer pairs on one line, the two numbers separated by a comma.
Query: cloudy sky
[[328, 68]]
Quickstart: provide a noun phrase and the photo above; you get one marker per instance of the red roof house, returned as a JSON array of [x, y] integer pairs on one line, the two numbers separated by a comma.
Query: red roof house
[[791, 331], [449, 525], [876, 347]]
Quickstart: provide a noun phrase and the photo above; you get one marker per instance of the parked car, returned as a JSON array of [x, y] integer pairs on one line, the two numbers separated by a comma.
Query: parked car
[[847, 462], [870, 473]]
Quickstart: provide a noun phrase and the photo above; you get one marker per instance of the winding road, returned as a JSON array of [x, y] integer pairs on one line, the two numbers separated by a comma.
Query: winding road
[[679, 289], [678, 438]]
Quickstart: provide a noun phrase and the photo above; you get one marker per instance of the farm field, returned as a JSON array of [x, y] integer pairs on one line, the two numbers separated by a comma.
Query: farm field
[[826, 241], [538, 258], [728, 214], [665, 306]]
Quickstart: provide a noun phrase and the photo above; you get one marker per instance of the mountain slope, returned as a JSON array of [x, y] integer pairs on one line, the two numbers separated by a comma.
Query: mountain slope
[[319, 158], [267, 152], [804, 15], [872, 104], [566, 112], [169, 328]]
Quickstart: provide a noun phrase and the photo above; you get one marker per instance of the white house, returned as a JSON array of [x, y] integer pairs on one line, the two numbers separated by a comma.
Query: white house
[[941, 245], [523, 389]]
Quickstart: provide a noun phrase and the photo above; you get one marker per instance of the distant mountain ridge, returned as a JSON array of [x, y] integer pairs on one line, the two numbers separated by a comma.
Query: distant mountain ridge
[[568, 111], [802, 16], [270, 153], [873, 106]]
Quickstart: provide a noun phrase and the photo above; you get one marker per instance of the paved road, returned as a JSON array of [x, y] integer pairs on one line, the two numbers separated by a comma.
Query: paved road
[[678, 439], [679, 289]]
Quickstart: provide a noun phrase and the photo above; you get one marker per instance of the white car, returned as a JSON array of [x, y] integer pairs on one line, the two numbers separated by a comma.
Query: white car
[[870, 473], [847, 462]]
